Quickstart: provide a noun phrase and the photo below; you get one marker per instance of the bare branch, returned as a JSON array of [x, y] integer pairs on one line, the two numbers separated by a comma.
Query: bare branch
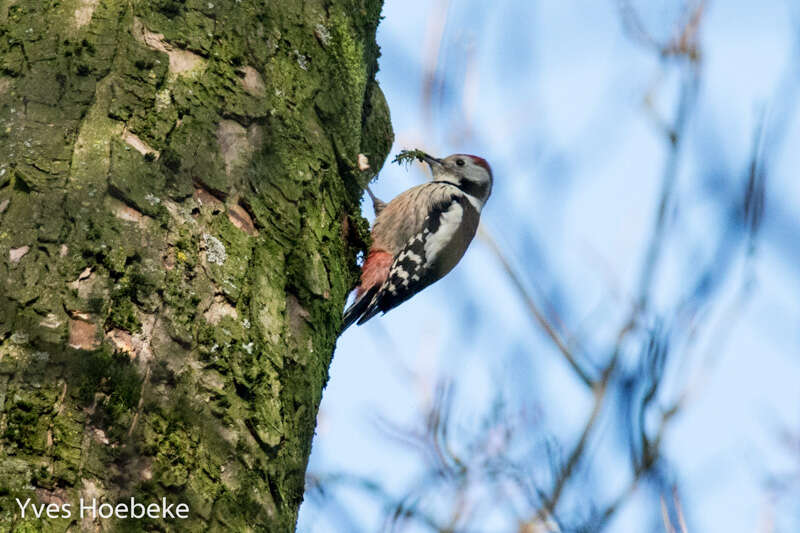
[[533, 308]]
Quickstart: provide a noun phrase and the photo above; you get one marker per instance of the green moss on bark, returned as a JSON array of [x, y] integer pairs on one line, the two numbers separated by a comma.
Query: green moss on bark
[[177, 180]]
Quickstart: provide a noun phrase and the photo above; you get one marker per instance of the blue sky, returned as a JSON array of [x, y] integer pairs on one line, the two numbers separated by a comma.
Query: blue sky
[[551, 93]]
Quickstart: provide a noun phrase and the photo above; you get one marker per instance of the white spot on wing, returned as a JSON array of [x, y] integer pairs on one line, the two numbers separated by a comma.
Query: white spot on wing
[[449, 224], [477, 204], [408, 254]]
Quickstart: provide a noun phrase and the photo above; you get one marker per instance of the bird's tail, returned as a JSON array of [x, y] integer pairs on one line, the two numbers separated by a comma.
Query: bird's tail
[[354, 312]]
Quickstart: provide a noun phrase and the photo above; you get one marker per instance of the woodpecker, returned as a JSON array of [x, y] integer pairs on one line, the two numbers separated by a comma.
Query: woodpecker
[[421, 234]]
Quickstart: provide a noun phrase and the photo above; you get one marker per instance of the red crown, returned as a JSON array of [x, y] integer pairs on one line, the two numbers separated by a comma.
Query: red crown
[[481, 162]]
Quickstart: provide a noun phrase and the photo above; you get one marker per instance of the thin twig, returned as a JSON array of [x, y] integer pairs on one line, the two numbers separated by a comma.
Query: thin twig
[[668, 181], [549, 505], [530, 303]]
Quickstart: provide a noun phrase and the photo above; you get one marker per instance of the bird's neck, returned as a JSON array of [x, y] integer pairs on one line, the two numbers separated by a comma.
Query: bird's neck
[[474, 192]]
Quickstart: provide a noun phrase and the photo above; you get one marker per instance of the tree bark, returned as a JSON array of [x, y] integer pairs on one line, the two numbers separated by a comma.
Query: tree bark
[[179, 200]]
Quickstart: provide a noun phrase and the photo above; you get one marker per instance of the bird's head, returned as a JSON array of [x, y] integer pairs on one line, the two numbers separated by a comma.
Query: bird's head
[[469, 173]]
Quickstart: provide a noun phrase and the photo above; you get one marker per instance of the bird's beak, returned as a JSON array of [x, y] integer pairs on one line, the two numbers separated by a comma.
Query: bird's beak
[[432, 161]]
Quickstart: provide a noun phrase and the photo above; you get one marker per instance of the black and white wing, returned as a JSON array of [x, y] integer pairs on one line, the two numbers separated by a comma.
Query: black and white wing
[[428, 255]]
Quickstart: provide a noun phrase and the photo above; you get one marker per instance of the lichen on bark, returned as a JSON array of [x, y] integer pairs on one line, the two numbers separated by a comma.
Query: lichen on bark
[[178, 228]]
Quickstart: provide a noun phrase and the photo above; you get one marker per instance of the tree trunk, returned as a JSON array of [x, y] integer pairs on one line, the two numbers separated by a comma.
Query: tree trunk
[[179, 200]]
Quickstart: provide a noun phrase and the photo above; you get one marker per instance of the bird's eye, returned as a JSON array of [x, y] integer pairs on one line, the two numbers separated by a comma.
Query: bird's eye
[[460, 162]]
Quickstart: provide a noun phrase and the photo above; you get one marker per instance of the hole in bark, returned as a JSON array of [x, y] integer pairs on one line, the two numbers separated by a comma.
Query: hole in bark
[[243, 391], [171, 159], [171, 8], [88, 46], [21, 185], [142, 64], [135, 258]]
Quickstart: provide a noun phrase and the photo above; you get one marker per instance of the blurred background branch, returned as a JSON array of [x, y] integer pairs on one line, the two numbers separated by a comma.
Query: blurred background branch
[[564, 418]]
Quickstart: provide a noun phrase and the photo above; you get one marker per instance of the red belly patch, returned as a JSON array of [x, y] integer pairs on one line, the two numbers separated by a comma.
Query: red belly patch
[[375, 270]]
